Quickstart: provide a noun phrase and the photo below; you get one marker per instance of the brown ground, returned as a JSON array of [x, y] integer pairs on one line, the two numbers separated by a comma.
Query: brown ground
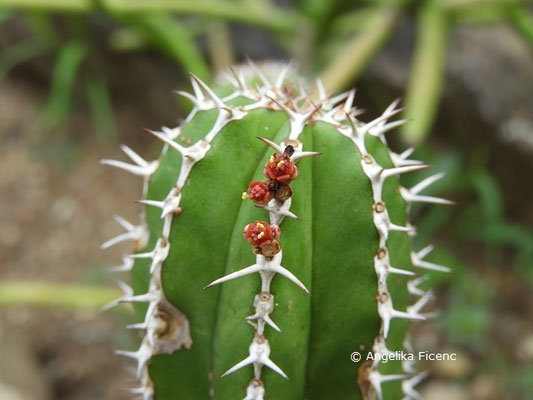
[[52, 219]]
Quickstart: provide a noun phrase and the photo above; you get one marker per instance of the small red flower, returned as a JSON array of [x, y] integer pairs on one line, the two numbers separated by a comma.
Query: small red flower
[[261, 234], [281, 169], [258, 192]]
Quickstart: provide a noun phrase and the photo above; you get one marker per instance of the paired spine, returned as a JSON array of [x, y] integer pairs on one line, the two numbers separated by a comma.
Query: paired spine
[[274, 196]]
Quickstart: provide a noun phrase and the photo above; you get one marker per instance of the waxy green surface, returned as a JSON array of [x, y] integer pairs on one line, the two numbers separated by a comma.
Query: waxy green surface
[[330, 249]]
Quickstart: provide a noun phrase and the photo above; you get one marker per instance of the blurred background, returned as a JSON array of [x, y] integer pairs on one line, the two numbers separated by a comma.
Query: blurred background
[[78, 77]]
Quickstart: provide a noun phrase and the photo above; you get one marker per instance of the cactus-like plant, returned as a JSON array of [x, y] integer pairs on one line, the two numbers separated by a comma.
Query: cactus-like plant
[[322, 208]]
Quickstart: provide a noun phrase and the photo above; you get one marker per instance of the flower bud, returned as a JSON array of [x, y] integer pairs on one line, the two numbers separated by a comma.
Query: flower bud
[[258, 192], [280, 169], [263, 237]]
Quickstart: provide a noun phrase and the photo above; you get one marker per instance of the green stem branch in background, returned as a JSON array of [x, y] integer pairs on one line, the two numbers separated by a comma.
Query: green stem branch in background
[[49, 5], [352, 59], [56, 295], [18, 53], [167, 33], [464, 5], [259, 14], [66, 68], [427, 73], [219, 46], [101, 108], [256, 13], [486, 11], [523, 22], [352, 21]]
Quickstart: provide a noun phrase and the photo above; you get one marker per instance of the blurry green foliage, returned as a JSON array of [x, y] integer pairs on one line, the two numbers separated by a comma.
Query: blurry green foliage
[[333, 38], [67, 64], [468, 326], [480, 216], [519, 381], [100, 103]]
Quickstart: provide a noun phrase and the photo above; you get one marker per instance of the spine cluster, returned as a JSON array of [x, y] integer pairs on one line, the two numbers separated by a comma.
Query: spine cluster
[[166, 328], [273, 195], [370, 379]]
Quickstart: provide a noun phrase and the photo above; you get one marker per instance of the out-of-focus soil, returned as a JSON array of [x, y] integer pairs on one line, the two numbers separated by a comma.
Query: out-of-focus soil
[[53, 217]]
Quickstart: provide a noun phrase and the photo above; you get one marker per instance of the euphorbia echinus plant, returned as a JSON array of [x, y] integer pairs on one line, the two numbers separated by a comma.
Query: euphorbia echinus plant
[[275, 242]]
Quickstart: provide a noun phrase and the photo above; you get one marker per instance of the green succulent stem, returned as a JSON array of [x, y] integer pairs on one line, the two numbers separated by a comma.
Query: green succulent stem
[[338, 229]]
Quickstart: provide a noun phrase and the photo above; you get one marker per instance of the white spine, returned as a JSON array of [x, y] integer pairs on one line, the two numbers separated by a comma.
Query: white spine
[[167, 328], [335, 111], [259, 350], [356, 132]]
